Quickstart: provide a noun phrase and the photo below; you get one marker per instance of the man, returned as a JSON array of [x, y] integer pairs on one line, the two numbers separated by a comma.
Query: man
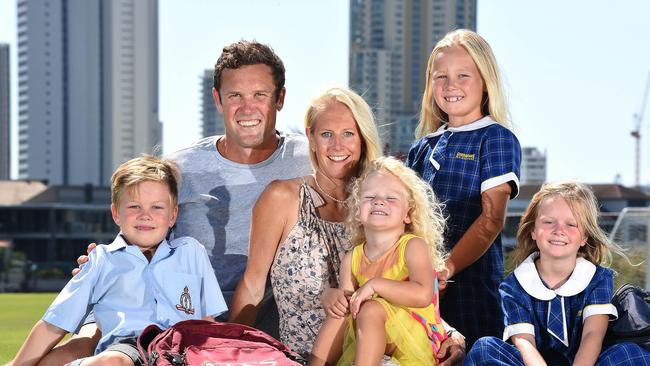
[[222, 176]]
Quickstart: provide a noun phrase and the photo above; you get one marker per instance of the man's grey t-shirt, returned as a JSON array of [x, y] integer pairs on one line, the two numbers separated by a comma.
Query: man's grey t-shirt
[[217, 196]]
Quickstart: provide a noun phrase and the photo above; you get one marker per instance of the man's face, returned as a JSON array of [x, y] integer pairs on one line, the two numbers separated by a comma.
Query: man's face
[[248, 103]]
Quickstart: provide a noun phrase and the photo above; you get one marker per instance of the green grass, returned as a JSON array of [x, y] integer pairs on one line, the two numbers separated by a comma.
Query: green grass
[[18, 313]]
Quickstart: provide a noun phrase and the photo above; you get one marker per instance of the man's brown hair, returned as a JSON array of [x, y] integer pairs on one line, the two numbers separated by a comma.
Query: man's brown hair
[[245, 53]]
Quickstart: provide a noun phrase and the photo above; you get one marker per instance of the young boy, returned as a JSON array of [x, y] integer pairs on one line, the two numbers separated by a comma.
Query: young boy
[[138, 279]]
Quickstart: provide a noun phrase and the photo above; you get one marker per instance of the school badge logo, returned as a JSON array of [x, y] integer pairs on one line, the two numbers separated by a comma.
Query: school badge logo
[[185, 302]]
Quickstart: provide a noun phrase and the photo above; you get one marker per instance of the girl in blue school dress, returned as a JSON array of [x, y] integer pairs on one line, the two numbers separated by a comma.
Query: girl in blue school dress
[[557, 302], [471, 160]]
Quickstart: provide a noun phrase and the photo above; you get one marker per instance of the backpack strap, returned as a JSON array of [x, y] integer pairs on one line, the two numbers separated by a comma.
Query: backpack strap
[[144, 340]]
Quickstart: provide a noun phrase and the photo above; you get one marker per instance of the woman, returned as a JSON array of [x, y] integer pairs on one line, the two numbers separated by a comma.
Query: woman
[[297, 231]]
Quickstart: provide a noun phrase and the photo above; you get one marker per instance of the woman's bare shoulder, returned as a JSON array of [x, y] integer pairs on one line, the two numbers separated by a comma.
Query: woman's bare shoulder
[[284, 190]]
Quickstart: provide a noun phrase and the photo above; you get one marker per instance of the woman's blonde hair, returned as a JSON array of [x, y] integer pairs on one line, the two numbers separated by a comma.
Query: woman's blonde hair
[[425, 211], [583, 205], [370, 142], [493, 103]]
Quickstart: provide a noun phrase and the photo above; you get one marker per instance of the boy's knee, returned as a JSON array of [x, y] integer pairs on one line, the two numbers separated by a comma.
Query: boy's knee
[[75, 348], [110, 358]]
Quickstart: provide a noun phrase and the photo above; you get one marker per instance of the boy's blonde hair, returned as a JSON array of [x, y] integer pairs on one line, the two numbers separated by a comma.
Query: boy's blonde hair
[[493, 102], [583, 205], [370, 142], [145, 168], [427, 218]]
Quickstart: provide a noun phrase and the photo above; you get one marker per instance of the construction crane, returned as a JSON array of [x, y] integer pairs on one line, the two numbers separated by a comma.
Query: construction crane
[[636, 134]]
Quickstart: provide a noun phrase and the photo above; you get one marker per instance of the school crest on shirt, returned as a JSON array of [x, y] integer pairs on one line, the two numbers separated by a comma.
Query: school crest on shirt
[[185, 302]]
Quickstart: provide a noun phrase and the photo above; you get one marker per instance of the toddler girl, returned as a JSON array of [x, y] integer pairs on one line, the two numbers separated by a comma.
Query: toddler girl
[[398, 225]]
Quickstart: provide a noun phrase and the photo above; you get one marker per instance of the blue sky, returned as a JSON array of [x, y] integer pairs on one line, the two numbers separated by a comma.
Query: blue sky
[[575, 71]]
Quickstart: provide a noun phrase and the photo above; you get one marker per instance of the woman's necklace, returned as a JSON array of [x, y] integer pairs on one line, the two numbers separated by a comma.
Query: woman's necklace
[[325, 193]]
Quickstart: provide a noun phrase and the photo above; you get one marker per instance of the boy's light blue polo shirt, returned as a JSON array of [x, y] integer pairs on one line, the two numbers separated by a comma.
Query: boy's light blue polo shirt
[[127, 292]]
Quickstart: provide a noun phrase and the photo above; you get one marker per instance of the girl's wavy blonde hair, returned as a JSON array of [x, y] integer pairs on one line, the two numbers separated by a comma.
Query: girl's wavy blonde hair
[[425, 211], [493, 103], [583, 205]]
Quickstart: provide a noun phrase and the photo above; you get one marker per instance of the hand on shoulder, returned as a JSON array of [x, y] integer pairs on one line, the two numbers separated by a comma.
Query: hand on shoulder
[[83, 258]]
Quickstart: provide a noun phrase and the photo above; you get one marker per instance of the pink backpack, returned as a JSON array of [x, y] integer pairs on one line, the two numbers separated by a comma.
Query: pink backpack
[[200, 342]]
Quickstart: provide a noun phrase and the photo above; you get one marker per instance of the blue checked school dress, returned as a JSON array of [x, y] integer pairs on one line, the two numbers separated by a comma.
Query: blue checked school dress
[[460, 164], [554, 317]]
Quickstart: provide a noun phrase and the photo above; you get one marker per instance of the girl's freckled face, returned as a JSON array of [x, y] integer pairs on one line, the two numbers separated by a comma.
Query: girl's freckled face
[[457, 85], [557, 232]]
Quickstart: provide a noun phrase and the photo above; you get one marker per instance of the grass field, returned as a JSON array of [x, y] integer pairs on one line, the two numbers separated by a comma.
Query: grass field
[[18, 313]]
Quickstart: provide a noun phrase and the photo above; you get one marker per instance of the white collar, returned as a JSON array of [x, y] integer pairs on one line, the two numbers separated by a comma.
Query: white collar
[[527, 275], [119, 242], [478, 124]]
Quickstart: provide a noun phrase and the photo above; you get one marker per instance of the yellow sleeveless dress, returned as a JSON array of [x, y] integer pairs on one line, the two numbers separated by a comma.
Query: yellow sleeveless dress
[[416, 332]]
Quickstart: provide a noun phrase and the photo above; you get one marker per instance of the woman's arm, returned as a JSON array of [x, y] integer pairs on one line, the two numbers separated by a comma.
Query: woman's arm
[[328, 346], [480, 235], [273, 215], [593, 333], [42, 338], [417, 292], [336, 301], [525, 343]]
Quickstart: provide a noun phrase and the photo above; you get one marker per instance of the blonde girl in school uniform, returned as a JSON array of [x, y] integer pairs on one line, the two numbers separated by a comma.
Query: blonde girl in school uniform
[[557, 302]]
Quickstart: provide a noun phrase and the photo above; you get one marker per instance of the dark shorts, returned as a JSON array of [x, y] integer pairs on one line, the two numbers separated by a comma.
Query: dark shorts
[[90, 318], [128, 346]]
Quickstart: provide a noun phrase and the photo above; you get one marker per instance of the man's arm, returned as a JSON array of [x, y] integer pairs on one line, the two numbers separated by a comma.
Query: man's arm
[[83, 258]]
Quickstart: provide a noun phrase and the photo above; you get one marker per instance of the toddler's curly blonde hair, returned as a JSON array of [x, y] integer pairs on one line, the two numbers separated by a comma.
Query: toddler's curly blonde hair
[[425, 211]]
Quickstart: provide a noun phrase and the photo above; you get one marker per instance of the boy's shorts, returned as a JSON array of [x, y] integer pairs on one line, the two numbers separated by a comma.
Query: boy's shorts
[[126, 345]]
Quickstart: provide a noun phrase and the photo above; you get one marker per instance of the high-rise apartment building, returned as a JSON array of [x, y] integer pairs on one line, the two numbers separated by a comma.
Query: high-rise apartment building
[[390, 44], [5, 113], [211, 119], [533, 166], [87, 87]]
